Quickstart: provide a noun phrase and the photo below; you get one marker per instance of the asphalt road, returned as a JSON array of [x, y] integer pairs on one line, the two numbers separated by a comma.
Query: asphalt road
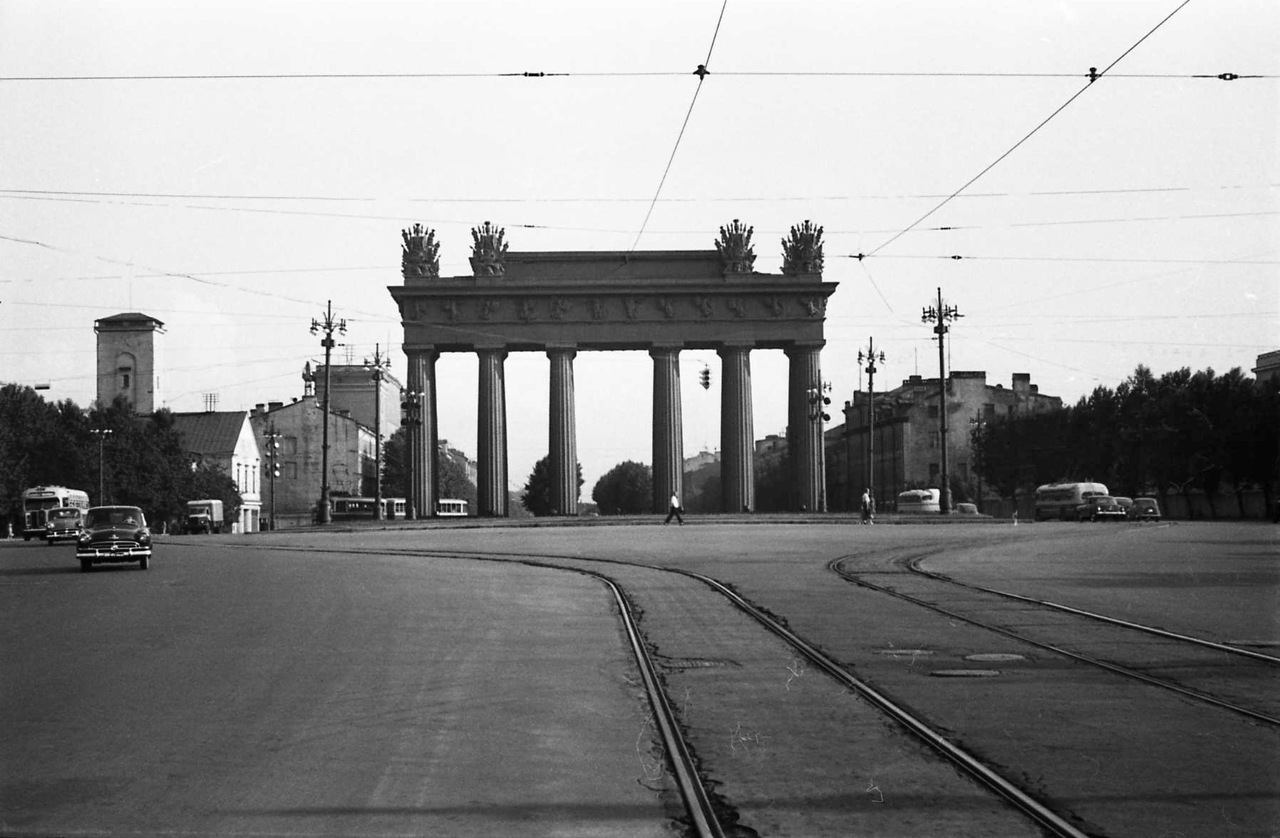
[[335, 687]]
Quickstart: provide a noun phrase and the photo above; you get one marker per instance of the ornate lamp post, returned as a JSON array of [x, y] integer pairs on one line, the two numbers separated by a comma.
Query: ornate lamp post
[[818, 401], [378, 366], [273, 467], [941, 316], [870, 359], [327, 326], [411, 404], [101, 434]]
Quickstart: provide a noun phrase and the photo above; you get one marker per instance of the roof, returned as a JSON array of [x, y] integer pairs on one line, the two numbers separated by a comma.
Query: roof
[[210, 433], [128, 317]]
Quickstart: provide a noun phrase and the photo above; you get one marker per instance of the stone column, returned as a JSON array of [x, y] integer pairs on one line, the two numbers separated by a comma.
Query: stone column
[[563, 442], [422, 431], [737, 436], [491, 479], [804, 434], [668, 428]]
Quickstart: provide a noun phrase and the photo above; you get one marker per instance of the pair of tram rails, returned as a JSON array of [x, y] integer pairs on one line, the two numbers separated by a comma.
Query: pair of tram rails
[[702, 809]]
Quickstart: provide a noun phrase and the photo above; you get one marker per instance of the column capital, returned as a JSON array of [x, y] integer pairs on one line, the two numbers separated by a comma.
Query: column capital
[[662, 350], [804, 346], [570, 349]]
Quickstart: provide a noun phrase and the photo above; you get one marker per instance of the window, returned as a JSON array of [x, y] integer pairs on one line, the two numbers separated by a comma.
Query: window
[[989, 412], [290, 445], [291, 471], [935, 439]]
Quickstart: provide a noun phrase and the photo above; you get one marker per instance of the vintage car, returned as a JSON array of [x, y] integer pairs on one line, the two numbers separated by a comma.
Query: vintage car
[[62, 524], [1101, 508], [113, 534], [1145, 509]]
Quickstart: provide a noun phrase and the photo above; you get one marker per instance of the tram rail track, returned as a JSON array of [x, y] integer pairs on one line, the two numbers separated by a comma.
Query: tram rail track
[[995, 610], [701, 811]]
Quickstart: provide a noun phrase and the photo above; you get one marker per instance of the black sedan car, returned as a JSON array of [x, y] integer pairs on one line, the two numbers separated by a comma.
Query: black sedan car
[[113, 534], [1101, 508]]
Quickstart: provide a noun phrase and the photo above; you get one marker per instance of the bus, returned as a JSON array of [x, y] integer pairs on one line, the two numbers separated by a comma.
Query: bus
[[920, 500], [38, 500], [356, 508], [451, 508], [1059, 500]]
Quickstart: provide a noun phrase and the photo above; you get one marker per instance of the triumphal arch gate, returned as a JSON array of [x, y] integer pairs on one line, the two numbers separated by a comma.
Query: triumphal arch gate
[[662, 302]]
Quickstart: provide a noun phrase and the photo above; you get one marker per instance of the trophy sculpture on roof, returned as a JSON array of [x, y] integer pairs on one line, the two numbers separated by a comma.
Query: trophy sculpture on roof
[[488, 250], [420, 253], [734, 247], [802, 252]]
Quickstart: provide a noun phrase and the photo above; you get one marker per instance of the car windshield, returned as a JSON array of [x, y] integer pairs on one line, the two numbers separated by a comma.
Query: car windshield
[[64, 514], [122, 516]]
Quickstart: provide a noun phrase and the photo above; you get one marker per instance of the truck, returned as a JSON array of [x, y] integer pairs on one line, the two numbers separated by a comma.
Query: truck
[[204, 516]]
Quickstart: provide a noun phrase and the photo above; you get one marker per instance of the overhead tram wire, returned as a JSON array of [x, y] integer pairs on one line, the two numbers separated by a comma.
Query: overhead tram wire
[[1092, 78], [702, 72], [539, 74]]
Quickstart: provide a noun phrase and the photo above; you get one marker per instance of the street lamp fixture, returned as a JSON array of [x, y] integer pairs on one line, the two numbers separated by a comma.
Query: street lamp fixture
[[326, 326], [378, 366], [940, 316], [870, 358], [101, 434]]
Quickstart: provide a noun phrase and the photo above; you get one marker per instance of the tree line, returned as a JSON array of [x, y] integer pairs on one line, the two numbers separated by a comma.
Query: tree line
[[1179, 433], [141, 461]]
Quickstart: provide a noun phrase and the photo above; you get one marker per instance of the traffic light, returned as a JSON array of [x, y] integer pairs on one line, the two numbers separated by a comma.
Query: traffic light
[[705, 377]]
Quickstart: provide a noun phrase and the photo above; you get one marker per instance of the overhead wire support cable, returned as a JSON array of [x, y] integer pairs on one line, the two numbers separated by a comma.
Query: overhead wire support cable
[[1094, 75], [701, 72]]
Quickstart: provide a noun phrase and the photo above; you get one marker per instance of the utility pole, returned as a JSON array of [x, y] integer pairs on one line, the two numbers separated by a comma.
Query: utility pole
[[870, 360], [378, 365], [101, 434], [273, 468], [941, 316], [328, 326]]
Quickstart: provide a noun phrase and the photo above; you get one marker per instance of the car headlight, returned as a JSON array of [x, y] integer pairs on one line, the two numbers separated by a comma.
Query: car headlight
[[142, 537]]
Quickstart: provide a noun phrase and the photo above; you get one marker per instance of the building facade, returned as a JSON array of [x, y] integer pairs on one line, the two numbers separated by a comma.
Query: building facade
[[353, 389], [292, 496], [905, 448], [226, 439]]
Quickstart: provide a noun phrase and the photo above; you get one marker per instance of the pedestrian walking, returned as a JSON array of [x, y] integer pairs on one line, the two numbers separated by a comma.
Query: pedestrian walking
[[674, 510], [868, 507]]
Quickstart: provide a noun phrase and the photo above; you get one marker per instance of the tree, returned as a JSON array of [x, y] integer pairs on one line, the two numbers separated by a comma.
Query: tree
[[537, 491], [626, 489]]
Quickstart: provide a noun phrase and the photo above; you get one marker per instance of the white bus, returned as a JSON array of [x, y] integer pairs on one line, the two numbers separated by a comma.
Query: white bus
[[38, 500], [1059, 500], [920, 500]]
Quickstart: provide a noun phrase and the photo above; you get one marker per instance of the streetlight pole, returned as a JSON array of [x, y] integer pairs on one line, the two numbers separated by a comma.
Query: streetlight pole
[[378, 364], [273, 468], [941, 316], [328, 326], [412, 406], [101, 434], [870, 360]]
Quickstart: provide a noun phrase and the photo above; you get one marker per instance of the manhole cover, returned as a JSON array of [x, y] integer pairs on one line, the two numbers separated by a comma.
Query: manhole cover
[[994, 657], [965, 673]]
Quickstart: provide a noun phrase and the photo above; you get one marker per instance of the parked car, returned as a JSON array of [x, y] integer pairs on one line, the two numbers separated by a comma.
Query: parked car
[[62, 524], [1101, 508], [1145, 509], [114, 534], [1125, 503]]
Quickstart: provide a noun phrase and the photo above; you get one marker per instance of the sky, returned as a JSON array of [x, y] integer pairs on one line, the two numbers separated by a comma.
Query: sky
[[230, 168]]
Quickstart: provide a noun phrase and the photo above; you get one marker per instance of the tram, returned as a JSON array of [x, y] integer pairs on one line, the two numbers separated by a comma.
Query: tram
[[358, 508], [451, 508]]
